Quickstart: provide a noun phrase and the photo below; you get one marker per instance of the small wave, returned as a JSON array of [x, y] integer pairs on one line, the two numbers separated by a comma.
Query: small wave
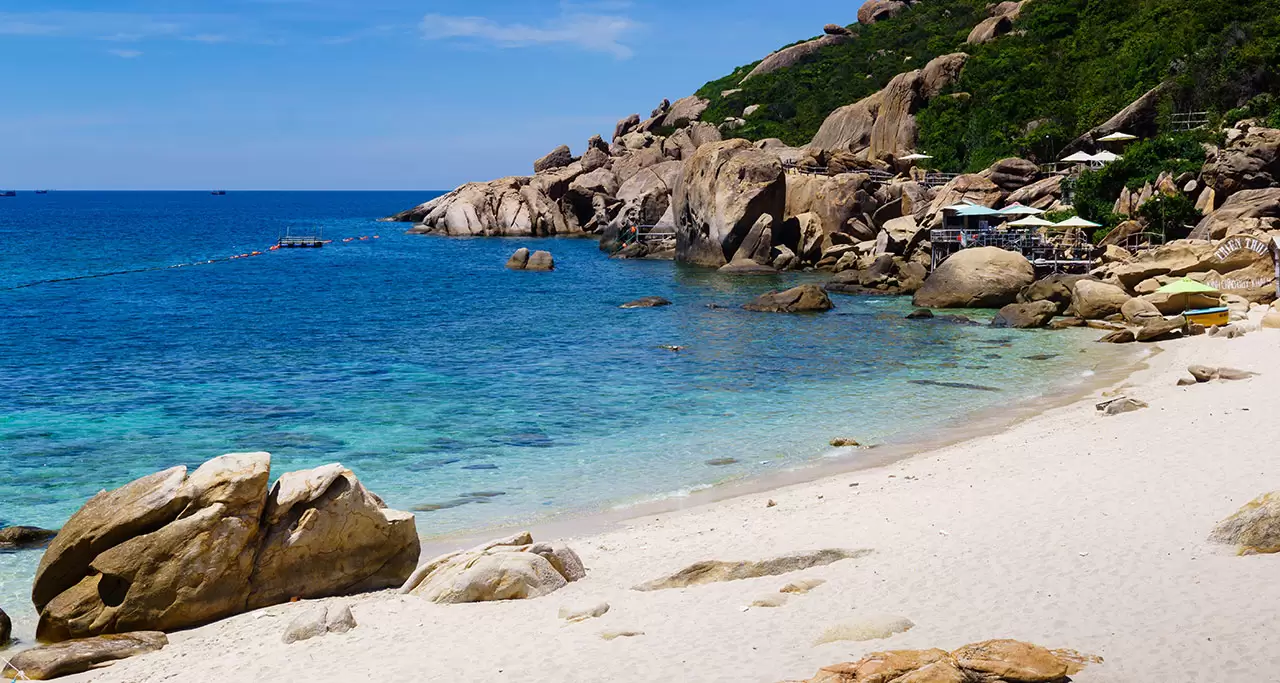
[[669, 495]]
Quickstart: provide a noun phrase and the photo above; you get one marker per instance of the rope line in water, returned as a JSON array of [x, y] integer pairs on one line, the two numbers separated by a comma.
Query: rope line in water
[[223, 259]]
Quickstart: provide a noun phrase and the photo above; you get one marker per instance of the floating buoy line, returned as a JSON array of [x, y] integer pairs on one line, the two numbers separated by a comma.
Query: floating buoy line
[[223, 259]]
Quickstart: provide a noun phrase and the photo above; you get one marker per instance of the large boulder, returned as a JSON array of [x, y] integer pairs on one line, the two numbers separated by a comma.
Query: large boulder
[[981, 277], [684, 111], [721, 192], [969, 187], [625, 126], [1041, 194], [513, 568], [1239, 257], [872, 11], [1012, 174], [644, 198], [80, 655], [1246, 211], [323, 533], [884, 123], [1254, 528], [627, 166], [989, 29], [1140, 117], [684, 142], [1250, 161], [124, 561], [802, 299], [556, 158], [790, 56], [1093, 300], [1055, 288]]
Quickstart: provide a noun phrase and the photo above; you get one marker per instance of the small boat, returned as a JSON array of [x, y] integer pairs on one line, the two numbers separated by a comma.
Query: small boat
[[42, 192], [8, 193], [218, 193], [1208, 316]]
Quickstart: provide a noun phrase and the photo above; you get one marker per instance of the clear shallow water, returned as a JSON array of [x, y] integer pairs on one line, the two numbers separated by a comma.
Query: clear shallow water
[[429, 369]]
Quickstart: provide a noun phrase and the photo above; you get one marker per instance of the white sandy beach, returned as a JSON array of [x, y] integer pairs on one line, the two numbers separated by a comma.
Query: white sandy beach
[[1067, 530]]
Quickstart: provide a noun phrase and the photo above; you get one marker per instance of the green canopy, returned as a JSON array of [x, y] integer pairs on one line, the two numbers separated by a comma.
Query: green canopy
[[1186, 286]]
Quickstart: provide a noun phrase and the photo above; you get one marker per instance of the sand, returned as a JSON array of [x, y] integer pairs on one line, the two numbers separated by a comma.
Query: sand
[[1068, 530]]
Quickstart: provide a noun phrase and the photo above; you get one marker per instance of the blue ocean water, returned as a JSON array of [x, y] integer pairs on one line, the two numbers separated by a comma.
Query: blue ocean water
[[427, 367]]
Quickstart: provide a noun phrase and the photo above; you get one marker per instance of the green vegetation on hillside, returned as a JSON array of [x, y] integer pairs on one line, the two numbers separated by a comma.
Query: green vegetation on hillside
[[1069, 65]]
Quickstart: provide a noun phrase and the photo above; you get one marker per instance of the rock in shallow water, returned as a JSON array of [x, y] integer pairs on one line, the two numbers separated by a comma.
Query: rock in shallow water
[[802, 299], [25, 537], [76, 656], [646, 302]]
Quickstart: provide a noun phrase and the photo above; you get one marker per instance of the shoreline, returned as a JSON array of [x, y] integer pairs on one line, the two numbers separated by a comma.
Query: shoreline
[[1068, 529], [1122, 363]]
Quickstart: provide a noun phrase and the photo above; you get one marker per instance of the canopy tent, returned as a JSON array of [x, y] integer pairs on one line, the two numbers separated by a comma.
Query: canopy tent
[[1020, 210], [976, 210], [1077, 222], [1106, 157], [1117, 137], [1080, 157], [914, 156], [1030, 222]]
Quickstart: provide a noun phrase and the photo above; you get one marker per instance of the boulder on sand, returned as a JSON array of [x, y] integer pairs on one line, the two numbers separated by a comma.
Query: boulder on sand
[[513, 568], [990, 660], [124, 561], [80, 655], [980, 277], [1093, 300], [1254, 528], [712, 571], [802, 299], [724, 188]]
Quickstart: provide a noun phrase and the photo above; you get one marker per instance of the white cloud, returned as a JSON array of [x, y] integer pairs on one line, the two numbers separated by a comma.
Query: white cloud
[[125, 54], [592, 32]]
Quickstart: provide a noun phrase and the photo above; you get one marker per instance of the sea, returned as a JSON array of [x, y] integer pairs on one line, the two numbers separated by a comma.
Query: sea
[[143, 330]]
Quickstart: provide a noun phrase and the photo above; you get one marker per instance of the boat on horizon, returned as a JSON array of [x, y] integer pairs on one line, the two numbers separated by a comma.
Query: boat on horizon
[[8, 193], [42, 192], [218, 193]]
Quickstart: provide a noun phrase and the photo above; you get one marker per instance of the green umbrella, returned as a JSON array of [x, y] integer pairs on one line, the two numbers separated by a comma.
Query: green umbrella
[[1186, 286]]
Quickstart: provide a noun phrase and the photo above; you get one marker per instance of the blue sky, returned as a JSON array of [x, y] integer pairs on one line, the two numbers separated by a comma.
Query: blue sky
[[358, 94]]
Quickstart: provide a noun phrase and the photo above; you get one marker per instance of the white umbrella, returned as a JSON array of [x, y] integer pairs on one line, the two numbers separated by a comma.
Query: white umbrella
[[1020, 210], [1117, 137], [1077, 222], [1106, 157], [1080, 157], [1030, 222], [914, 157]]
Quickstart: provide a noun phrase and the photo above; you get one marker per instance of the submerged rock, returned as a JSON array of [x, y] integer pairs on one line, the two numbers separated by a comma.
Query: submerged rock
[[646, 302], [712, 571], [1025, 316], [25, 537], [80, 655]]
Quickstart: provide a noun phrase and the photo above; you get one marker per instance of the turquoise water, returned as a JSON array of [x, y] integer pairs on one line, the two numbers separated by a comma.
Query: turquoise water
[[429, 369]]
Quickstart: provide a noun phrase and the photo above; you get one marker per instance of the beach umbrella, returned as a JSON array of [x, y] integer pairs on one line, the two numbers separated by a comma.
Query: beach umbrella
[[1106, 157], [1080, 157], [1117, 137], [1077, 222], [914, 156], [1030, 222], [1186, 286], [1020, 210]]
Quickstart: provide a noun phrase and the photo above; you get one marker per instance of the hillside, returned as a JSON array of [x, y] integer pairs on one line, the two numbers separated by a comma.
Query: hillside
[[1066, 66]]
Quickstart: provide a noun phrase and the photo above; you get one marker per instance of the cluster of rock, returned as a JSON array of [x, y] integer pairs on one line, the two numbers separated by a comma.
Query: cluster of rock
[[126, 560], [1254, 528], [991, 661], [523, 259]]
